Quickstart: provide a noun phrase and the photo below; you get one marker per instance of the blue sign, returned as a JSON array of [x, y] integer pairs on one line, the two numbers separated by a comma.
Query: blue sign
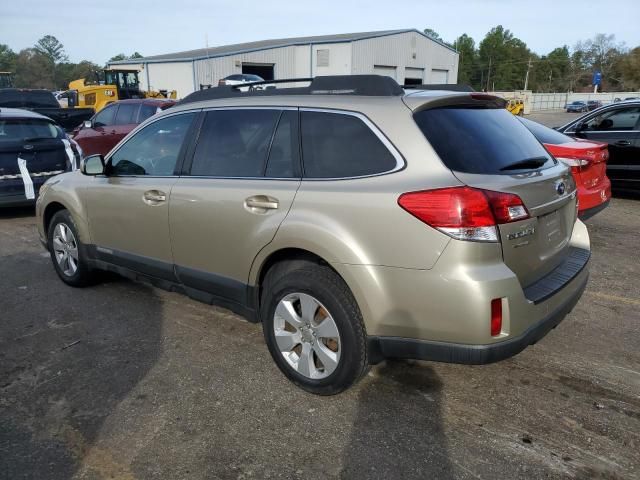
[[597, 78]]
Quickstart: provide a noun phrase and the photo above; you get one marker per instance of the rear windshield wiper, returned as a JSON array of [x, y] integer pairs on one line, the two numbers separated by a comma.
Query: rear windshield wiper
[[535, 162]]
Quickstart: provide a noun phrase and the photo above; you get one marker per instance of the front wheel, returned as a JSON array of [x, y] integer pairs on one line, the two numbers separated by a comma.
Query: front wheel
[[313, 327], [67, 252]]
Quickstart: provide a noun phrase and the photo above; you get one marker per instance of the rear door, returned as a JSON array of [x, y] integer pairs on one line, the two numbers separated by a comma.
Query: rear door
[[489, 148], [620, 128], [237, 190], [125, 121]]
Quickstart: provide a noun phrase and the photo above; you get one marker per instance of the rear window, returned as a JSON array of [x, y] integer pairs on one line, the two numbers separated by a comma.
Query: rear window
[[481, 140], [546, 134], [341, 146], [147, 111], [126, 113], [19, 129]]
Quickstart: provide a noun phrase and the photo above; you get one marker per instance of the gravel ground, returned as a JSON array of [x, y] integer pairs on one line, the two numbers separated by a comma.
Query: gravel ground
[[125, 381]]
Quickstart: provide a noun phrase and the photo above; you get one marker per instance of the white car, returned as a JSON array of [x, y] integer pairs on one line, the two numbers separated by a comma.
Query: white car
[[241, 78]]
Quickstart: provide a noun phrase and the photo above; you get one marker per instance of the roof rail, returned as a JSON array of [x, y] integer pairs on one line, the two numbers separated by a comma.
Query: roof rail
[[368, 85], [452, 87]]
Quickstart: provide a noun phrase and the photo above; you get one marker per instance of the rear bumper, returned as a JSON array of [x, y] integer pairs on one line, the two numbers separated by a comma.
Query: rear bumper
[[395, 347], [590, 212], [12, 192]]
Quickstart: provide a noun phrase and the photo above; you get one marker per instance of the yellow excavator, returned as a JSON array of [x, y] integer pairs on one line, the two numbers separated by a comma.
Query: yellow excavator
[[516, 107], [117, 85]]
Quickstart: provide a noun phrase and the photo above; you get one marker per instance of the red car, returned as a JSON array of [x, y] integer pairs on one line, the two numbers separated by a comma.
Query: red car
[[588, 162], [110, 125]]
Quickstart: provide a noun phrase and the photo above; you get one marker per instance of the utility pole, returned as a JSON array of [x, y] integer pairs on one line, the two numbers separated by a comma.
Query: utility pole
[[488, 74], [526, 78], [550, 75]]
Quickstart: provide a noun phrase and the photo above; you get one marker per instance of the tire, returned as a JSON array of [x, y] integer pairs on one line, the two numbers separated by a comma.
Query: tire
[[62, 253], [332, 364]]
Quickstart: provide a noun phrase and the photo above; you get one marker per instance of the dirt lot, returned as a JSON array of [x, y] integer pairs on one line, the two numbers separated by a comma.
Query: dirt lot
[[126, 381]]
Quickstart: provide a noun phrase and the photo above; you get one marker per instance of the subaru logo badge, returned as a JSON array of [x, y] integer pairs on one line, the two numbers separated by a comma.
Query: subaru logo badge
[[561, 188]]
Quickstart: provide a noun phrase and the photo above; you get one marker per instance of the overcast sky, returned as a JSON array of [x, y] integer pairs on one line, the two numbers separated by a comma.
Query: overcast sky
[[98, 29]]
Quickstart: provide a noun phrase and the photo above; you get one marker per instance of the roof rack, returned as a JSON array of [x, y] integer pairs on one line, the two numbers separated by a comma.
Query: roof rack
[[451, 87], [368, 85]]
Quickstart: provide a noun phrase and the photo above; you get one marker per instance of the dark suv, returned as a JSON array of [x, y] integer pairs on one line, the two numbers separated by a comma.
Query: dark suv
[[32, 149]]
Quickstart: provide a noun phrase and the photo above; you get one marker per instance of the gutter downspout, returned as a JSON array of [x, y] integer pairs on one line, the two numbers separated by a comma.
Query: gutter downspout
[[311, 60], [146, 69], [193, 74]]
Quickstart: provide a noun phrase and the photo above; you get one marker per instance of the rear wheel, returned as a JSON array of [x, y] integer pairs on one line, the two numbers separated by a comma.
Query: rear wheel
[[67, 252], [313, 327]]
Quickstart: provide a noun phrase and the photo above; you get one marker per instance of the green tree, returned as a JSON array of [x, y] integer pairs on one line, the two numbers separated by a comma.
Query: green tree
[[503, 60], [466, 47], [50, 47], [7, 59], [122, 56], [628, 70], [433, 34], [33, 70]]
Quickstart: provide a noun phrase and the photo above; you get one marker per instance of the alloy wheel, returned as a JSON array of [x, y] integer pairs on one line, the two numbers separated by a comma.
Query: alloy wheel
[[65, 249], [307, 335]]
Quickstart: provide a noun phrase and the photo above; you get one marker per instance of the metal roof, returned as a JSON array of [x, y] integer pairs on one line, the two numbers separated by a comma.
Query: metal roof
[[226, 50]]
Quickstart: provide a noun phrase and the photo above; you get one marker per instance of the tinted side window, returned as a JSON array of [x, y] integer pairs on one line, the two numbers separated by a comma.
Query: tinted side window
[[104, 117], [154, 150], [146, 111], [338, 146], [126, 113], [234, 143], [619, 119], [285, 149]]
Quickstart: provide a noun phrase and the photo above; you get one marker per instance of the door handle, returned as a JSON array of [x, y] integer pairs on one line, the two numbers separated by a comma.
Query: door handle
[[260, 203], [623, 143], [154, 197]]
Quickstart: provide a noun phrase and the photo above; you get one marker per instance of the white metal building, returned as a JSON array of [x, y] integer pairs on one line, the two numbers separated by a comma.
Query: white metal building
[[409, 56]]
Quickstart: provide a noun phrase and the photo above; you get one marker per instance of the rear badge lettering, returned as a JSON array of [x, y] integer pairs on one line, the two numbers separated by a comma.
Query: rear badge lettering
[[522, 233]]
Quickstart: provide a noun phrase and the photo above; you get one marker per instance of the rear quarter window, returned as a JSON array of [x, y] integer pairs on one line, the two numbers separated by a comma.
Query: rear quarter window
[[480, 140], [338, 145]]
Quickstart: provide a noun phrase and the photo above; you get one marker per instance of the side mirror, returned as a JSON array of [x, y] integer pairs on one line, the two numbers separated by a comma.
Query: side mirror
[[87, 124], [92, 165]]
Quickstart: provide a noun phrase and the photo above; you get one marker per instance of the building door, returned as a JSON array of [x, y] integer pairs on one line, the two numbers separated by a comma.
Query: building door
[[264, 70], [413, 76], [386, 70], [439, 76]]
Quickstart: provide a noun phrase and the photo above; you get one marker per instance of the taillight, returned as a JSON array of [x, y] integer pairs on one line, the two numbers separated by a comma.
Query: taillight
[[576, 164], [496, 317], [222, 82], [464, 213]]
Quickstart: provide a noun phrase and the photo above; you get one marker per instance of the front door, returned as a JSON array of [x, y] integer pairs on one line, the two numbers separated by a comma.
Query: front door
[[620, 128], [95, 140], [128, 208], [242, 181]]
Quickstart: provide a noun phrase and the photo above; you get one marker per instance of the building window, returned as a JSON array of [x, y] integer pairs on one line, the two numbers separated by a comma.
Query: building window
[[322, 57]]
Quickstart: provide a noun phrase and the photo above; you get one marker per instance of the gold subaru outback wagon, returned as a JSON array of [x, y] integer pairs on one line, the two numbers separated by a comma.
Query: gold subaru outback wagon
[[355, 219]]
